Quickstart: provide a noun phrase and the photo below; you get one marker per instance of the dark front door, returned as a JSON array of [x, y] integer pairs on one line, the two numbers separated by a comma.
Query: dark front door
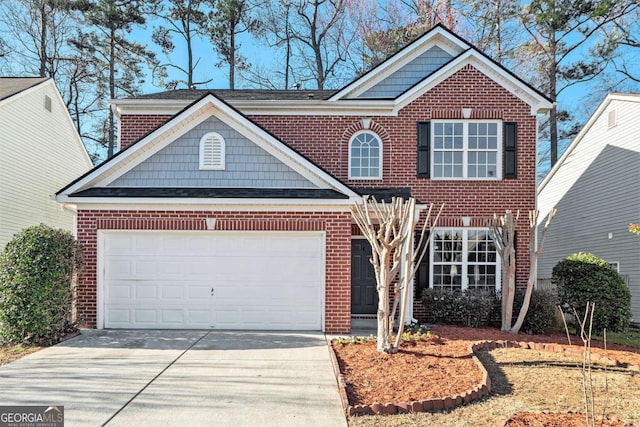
[[364, 297]]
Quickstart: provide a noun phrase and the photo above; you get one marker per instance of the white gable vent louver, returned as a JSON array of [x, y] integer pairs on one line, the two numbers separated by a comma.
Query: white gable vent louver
[[212, 152]]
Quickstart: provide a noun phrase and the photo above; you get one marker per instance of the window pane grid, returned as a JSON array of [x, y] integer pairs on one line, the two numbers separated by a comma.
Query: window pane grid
[[464, 259], [364, 161], [466, 150]]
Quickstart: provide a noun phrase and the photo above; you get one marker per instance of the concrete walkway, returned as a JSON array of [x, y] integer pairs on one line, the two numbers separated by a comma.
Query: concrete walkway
[[178, 378]]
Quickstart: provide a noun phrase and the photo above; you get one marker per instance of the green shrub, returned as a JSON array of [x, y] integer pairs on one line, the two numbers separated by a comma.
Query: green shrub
[[583, 278], [36, 295], [541, 316], [470, 308]]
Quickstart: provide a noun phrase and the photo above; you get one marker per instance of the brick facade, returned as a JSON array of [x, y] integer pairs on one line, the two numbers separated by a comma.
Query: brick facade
[[324, 139], [336, 225]]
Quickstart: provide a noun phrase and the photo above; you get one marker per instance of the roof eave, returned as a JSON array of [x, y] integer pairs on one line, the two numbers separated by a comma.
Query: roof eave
[[319, 107]]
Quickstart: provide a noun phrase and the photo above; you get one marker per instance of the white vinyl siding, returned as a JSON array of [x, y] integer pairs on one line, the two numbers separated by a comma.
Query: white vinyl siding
[[466, 150], [212, 152], [596, 188], [40, 153]]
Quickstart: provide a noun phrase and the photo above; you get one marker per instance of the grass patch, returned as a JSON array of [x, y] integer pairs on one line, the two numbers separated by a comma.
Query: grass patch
[[629, 338], [10, 353]]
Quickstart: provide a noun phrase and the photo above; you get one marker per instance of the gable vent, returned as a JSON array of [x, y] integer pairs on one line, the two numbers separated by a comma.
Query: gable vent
[[47, 103], [613, 119], [212, 152]]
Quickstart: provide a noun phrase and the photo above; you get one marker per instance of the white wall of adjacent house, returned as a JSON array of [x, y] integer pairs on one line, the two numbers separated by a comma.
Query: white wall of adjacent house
[[597, 191], [40, 153]]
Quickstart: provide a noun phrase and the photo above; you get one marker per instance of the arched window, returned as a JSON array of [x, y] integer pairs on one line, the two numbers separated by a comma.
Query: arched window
[[212, 152], [365, 156]]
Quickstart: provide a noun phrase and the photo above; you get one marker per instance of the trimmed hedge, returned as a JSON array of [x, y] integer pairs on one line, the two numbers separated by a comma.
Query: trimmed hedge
[[470, 308], [474, 308], [583, 278], [540, 318], [37, 268]]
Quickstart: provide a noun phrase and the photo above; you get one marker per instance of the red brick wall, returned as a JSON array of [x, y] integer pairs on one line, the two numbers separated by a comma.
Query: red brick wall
[[324, 140], [337, 226], [133, 127]]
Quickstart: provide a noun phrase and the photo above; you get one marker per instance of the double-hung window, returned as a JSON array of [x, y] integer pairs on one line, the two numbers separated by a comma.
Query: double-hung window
[[464, 258], [466, 149]]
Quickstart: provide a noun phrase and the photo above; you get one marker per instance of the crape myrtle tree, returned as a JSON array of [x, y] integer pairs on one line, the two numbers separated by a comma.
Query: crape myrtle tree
[[390, 229], [503, 232]]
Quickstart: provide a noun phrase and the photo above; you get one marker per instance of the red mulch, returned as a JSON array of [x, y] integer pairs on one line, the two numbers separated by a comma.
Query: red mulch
[[442, 365]]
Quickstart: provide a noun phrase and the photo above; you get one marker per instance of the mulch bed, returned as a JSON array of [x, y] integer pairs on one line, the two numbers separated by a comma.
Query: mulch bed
[[443, 366]]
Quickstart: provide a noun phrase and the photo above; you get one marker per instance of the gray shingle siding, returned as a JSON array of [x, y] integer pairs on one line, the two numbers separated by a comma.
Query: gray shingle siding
[[247, 165], [409, 75]]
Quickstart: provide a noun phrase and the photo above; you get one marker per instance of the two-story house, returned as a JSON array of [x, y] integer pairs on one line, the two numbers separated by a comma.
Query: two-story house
[[40, 151], [230, 209]]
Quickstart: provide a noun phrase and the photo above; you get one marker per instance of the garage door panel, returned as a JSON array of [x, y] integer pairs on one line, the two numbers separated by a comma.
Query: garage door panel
[[259, 280]]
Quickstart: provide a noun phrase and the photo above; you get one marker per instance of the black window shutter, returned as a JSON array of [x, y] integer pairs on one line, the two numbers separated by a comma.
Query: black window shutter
[[422, 273], [424, 142], [510, 150]]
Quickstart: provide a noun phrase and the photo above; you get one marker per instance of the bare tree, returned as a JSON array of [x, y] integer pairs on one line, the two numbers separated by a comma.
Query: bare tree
[[494, 26], [322, 38], [184, 20], [503, 232], [390, 228]]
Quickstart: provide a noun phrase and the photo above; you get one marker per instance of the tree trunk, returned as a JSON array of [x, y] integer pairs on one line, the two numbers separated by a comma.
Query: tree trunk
[[43, 39], [553, 114], [384, 336], [232, 59], [534, 254], [189, 59], [112, 93]]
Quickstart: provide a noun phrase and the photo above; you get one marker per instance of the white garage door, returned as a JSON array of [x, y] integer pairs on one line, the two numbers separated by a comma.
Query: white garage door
[[222, 280]]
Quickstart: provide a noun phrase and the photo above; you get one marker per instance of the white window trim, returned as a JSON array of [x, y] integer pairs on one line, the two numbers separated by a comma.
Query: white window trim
[[465, 263], [222, 164], [361, 178], [465, 151]]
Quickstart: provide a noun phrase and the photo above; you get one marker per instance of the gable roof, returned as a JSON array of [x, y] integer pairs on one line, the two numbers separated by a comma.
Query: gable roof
[[346, 101], [578, 168], [240, 94], [463, 53], [207, 106], [10, 86]]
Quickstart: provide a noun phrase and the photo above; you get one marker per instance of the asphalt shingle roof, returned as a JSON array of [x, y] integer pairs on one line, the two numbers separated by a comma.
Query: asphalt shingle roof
[[211, 193], [10, 86], [240, 94]]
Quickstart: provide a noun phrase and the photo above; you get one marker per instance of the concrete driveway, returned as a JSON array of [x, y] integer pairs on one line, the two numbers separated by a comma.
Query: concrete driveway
[[178, 378]]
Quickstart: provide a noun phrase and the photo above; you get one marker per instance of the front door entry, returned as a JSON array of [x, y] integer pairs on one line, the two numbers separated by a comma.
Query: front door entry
[[364, 296]]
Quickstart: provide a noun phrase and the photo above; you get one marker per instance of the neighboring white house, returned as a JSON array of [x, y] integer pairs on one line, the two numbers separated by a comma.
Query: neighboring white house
[[596, 187], [40, 152]]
